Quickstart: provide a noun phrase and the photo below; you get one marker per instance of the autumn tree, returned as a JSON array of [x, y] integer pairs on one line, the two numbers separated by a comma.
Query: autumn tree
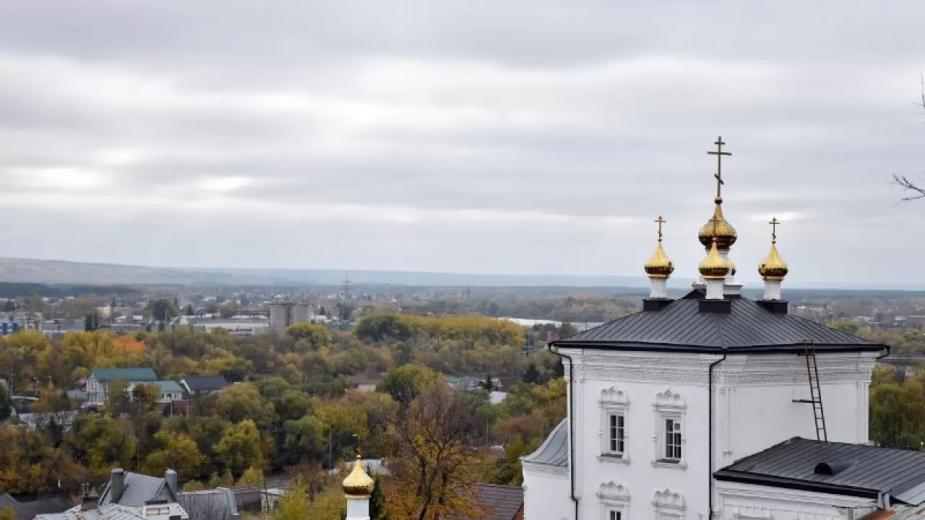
[[178, 452], [405, 383], [295, 505], [438, 455], [243, 401], [240, 447]]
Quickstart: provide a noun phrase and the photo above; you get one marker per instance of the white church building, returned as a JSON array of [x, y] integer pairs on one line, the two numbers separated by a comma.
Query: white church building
[[717, 406]]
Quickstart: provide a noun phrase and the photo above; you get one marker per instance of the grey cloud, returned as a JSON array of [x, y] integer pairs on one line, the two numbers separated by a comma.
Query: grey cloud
[[537, 136]]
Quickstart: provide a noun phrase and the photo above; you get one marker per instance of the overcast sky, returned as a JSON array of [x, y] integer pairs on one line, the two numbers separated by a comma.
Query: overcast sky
[[461, 136]]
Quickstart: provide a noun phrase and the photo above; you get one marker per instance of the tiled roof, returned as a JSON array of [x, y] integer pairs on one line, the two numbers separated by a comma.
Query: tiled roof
[[682, 326], [123, 374], [500, 502], [835, 467], [554, 450]]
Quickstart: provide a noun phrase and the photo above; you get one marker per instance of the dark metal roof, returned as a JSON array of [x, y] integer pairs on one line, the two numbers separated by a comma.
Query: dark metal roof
[[747, 327], [554, 450], [854, 469], [205, 383], [500, 502]]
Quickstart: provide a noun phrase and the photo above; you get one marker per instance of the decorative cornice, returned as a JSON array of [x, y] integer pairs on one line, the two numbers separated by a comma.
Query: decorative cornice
[[614, 492], [739, 370], [668, 399], [614, 396], [668, 499], [545, 469]]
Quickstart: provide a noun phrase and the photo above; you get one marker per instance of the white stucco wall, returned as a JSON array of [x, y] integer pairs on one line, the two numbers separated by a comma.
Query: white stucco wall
[[547, 496], [753, 410]]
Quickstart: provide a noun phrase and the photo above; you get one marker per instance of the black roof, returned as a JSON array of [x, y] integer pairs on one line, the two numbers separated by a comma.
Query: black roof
[[747, 327], [205, 383], [834, 467]]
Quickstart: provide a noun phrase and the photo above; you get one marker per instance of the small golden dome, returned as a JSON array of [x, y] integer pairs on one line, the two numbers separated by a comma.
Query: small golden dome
[[358, 483], [719, 228], [714, 267], [658, 265], [773, 267]]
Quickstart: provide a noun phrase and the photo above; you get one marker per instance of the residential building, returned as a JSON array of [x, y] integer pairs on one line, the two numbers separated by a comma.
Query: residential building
[[134, 496], [97, 384]]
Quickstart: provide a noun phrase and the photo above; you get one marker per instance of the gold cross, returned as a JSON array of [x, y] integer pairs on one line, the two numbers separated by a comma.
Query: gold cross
[[719, 153], [774, 223], [660, 221]]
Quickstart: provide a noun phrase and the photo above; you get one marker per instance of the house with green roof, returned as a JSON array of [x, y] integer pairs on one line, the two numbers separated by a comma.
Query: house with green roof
[[100, 378]]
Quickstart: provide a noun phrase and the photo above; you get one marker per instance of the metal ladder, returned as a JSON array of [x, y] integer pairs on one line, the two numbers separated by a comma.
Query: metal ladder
[[815, 392]]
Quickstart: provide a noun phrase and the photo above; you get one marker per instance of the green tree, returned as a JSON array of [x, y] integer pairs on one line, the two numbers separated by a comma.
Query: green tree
[[295, 505], [7, 513], [303, 440], [897, 414], [6, 406], [316, 336], [252, 477], [242, 401], [101, 443], [377, 508], [407, 382], [178, 452], [240, 447], [163, 310]]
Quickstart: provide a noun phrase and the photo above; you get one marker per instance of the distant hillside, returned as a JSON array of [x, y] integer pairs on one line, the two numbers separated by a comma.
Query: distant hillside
[[28, 270]]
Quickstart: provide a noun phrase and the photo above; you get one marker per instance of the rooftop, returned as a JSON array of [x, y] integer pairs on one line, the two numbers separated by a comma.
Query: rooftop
[[748, 327], [123, 374], [834, 467], [554, 450]]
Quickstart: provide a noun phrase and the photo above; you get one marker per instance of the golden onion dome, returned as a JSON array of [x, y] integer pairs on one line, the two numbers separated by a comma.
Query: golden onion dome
[[714, 266], [358, 483], [718, 228], [658, 265], [773, 267]]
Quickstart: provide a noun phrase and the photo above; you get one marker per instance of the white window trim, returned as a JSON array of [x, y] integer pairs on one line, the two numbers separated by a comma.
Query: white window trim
[[614, 497], [614, 401], [669, 405], [669, 505]]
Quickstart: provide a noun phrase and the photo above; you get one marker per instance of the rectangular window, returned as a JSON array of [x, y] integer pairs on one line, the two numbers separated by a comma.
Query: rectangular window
[[673, 439], [613, 514], [616, 433]]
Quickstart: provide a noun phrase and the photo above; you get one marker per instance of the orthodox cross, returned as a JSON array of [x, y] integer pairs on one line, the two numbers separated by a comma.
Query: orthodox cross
[[660, 221], [774, 223], [719, 153]]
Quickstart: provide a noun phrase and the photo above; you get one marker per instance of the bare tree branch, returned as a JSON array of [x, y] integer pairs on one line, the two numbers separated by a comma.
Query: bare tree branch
[[902, 181]]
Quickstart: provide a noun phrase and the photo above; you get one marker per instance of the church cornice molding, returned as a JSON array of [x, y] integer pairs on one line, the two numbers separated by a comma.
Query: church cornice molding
[[736, 370], [545, 469]]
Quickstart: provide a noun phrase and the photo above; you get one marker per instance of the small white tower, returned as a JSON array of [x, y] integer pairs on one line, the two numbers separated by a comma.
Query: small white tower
[[358, 486], [659, 267], [773, 269]]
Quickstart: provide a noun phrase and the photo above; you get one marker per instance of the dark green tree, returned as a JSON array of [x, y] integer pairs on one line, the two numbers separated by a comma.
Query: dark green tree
[[6, 407]]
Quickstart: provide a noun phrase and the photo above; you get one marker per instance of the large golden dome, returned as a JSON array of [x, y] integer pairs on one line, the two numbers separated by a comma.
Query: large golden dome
[[718, 228], [773, 267], [658, 265], [714, 266], [358, 483]]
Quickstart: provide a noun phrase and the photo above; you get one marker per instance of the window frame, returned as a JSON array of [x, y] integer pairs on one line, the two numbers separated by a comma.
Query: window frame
[[614, 403], [669, 406]]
